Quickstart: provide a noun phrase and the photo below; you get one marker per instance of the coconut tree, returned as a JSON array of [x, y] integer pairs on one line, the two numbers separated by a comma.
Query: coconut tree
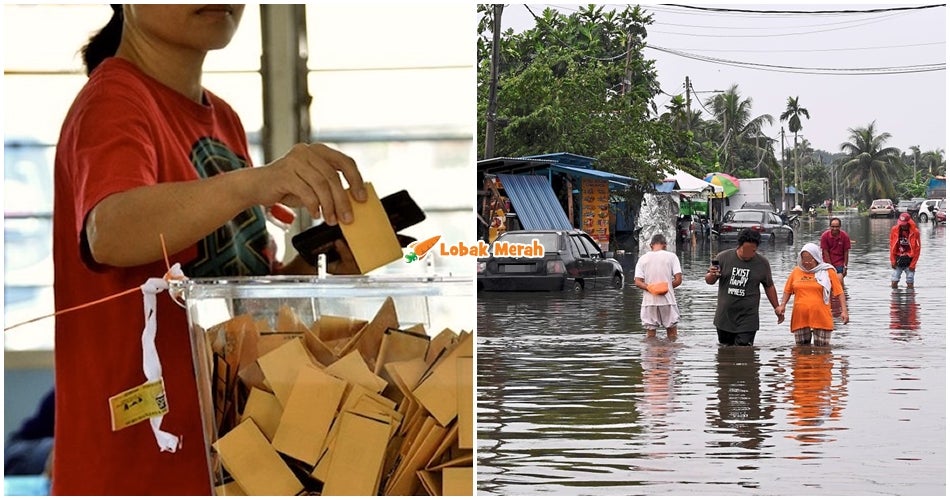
[[676, 114], [915, 157], [934, 161], [869, 165], [738, 130], [793, 113]]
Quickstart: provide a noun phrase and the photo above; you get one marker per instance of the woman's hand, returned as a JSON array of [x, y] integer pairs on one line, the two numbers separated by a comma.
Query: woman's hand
[[309, 175]]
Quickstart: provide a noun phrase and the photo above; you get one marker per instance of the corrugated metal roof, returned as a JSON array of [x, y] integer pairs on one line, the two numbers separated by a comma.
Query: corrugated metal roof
[[510, 165], [535, 202], [622, 180], [570, 159]]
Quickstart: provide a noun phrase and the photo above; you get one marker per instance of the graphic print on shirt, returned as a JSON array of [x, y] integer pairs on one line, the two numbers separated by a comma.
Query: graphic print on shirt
[[239, 247], [904, 242], [738, 281]]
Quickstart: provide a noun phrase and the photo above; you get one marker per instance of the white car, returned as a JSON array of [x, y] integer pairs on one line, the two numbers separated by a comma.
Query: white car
[[924, 214]]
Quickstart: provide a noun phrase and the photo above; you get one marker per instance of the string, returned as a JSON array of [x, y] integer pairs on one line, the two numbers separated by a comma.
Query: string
[[74, 308], [98, 301], [161, 236]]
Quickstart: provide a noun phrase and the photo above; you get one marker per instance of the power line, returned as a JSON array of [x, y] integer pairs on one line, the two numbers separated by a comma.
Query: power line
[[700, 101], [719, 26], [843, 49], [919, 68], [847, 11], [765, 67], [773, 34]]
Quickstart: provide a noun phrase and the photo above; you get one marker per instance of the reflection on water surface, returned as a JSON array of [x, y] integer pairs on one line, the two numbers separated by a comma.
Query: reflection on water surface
[[574, 400]]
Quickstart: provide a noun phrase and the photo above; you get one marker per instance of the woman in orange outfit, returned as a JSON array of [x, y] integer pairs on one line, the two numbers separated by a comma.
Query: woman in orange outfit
[[813, 282]]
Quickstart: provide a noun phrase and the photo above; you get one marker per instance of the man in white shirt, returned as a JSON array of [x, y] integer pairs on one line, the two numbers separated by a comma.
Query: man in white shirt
[[659, 272]]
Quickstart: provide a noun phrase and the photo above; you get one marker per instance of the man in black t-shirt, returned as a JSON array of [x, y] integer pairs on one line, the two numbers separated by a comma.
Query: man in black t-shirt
[[742, 271]]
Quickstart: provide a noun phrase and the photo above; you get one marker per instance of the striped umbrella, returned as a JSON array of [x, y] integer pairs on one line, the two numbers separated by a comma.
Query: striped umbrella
[[730, 185]]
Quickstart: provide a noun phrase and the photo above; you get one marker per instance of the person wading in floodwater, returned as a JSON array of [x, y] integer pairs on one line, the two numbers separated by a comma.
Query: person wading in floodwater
[[743, 271]]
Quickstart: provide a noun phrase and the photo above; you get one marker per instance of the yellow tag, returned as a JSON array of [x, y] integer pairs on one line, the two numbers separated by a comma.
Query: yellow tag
[[137, 404]]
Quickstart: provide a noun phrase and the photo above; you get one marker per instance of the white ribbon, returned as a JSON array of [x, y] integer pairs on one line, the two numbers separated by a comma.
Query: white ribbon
[[150, 362]]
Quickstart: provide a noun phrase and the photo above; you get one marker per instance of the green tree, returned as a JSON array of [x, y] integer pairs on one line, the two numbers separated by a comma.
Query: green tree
[[915, 185], [687, 127], [934, 162], [870, 167], [741, 143], [913, 159], [815, 178], [793, 113], [676, 114], [578, 83]]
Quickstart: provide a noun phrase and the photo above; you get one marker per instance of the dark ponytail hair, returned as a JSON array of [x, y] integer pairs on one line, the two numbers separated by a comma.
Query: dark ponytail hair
[[105, 43]]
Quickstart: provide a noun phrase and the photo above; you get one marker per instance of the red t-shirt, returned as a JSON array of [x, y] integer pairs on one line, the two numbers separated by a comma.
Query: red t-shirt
[[123, 131], [836, 247]]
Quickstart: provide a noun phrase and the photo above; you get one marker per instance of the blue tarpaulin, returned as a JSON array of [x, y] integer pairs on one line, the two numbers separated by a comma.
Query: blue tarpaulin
[[937, 188]]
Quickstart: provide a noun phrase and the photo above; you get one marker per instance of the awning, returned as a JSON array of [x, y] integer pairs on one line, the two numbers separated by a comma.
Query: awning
[[665, 186], [534, 202], [688, 184]]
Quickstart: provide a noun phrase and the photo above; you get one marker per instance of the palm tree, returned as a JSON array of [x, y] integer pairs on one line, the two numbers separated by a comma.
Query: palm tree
[[738, 129], [793, 113], [676, 113], [935, 162], [869, 165], [915, 160]]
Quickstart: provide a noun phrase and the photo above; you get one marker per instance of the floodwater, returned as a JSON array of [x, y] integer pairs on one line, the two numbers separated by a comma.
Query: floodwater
[[574, 400]]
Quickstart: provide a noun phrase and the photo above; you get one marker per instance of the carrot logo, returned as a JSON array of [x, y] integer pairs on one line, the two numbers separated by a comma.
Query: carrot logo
[[419, 249]]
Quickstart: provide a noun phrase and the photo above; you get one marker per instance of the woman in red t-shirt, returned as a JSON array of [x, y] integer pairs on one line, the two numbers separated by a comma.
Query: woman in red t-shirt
[[145, 151]]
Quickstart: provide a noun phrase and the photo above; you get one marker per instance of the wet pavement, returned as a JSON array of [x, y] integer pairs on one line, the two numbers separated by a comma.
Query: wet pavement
[[574, 400]]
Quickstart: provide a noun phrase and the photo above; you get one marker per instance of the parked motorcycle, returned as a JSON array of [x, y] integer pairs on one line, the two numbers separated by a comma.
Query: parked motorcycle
[[792, 221]]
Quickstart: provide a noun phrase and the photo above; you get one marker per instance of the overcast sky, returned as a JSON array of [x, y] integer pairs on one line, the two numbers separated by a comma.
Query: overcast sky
[[823, 58]]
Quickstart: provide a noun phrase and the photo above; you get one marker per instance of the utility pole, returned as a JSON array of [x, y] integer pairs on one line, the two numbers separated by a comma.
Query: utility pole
[[688, 113], [832, 187], [784, 165], [795, 151], [492, 117]]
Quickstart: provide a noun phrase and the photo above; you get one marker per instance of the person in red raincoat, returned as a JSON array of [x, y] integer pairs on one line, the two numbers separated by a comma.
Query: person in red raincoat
[[905, 250]]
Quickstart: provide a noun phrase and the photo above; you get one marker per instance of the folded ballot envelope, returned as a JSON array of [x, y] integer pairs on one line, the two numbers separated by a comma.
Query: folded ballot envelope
[[387, 410]]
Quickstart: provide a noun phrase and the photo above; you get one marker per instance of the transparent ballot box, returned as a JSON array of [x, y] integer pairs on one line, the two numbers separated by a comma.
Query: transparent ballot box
[[287, 365]]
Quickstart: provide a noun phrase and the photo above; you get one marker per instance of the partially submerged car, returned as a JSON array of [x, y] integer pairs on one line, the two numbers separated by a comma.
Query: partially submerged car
[[766, 223], [758, 205], [928, 208], [547, 260], [907, 206], [882, 208]]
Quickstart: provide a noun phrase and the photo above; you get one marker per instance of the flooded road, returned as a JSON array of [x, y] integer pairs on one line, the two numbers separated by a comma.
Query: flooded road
[[574, 400]]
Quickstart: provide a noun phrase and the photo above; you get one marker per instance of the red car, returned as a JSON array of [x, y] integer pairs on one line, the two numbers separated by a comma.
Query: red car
[[941, 216]]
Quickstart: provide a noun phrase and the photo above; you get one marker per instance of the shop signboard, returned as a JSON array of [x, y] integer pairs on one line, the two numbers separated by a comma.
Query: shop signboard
[[595, 198]]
